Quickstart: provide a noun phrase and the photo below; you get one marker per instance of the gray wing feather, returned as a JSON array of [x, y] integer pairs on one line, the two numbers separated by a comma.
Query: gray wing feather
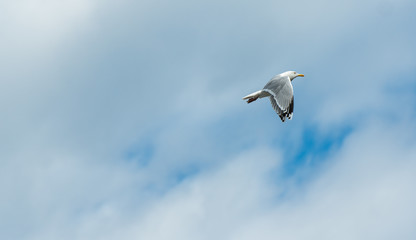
[[277, 108], [282, 100]]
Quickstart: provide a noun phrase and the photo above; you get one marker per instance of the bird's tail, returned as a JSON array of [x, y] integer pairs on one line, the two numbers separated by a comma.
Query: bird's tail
[[252, 97]]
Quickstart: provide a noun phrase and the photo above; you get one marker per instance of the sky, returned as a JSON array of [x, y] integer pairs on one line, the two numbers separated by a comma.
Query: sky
[[124, 120]]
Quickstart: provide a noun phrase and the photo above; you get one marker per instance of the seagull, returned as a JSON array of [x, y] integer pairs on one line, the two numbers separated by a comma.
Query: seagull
[[280, 91]]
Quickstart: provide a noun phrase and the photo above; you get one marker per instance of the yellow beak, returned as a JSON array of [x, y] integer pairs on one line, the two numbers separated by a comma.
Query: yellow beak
[[301, 75]]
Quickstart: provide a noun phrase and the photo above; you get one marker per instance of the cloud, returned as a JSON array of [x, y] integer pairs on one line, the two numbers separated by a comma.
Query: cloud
[[364, 191], [125, 120]]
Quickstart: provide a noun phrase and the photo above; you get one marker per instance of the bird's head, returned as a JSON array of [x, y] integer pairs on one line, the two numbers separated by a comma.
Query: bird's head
[[292, 74]]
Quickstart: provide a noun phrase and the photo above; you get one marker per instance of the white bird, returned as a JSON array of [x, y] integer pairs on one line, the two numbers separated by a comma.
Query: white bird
[[280, 91]]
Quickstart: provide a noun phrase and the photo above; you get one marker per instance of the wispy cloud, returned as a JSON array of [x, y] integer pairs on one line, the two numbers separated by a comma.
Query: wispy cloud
[[125, 120]]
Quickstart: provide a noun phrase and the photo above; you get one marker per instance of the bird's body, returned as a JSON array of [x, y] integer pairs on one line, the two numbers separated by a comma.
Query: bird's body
[[280, 92]]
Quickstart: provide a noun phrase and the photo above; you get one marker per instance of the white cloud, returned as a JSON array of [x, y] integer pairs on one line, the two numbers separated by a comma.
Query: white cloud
[[33, 24], [84, 82], [364, 191]]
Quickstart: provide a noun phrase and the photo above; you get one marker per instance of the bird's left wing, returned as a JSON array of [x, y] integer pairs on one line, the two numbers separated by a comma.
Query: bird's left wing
[[282, 99]]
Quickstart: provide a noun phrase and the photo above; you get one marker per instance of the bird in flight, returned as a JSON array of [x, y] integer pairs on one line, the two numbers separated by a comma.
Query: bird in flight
[[280, 92]]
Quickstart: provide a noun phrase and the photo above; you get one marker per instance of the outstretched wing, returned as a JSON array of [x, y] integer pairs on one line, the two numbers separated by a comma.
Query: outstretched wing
[[281, 98]]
